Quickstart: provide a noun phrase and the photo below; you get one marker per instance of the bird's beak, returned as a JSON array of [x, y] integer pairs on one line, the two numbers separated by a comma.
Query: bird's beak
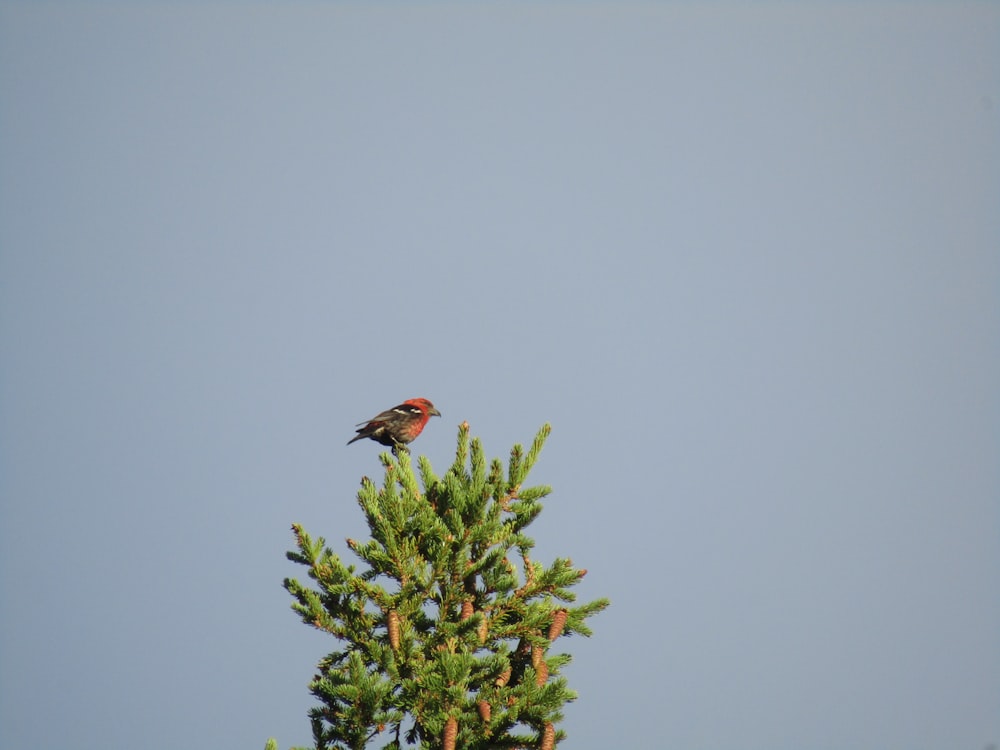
[[434, 412]]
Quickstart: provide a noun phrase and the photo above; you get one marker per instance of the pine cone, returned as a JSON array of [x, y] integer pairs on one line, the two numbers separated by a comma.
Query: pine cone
[[392, 624], [548, 737], [541, 674], [558, 623], [483, 630], [450, 733]]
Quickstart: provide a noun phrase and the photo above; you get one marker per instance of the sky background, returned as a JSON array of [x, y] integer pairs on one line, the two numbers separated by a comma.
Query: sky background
[[745, 258]]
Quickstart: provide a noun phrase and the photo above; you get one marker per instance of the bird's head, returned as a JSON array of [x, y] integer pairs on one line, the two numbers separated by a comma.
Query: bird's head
[[424, 405]]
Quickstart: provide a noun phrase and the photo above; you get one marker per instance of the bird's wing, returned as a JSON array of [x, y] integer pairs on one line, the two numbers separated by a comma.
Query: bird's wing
[[404, 409]]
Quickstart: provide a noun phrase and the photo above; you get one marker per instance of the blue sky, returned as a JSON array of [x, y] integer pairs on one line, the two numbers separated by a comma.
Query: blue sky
[[745, 258]]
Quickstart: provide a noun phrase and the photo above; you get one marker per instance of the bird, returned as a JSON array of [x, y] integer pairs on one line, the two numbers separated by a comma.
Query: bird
[[399, 425]]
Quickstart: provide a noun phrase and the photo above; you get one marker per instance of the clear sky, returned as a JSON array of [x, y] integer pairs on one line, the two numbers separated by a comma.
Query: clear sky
[[745, 258]]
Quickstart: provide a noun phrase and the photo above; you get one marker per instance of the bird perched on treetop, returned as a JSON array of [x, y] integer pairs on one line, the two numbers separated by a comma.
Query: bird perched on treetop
[[399, 425]]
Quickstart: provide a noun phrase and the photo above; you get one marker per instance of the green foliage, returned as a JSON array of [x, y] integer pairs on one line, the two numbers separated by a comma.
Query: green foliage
[[444, 632]]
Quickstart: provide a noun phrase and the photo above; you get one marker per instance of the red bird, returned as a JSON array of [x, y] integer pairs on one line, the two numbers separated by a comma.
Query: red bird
[[399, 425]]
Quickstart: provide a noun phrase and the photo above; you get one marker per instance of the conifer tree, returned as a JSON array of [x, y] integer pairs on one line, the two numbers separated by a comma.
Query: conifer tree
[[445, 632]]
